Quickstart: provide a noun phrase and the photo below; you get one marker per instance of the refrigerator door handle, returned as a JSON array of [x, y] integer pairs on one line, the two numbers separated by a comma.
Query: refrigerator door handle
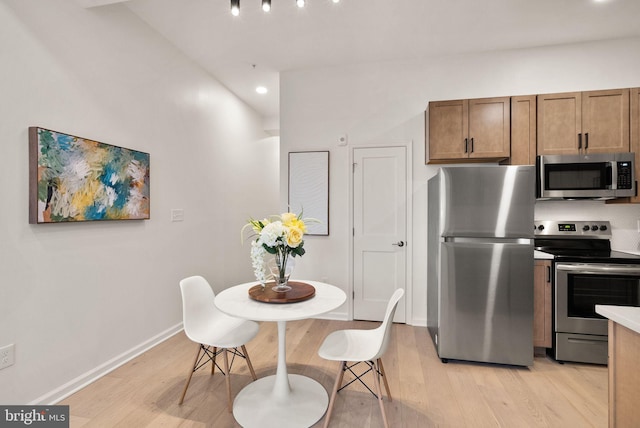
[[485, 240]]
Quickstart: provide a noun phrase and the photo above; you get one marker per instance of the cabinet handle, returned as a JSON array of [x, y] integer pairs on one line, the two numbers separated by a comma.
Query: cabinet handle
[[586, 140], [472, 145], [549, 274], [580, 141], [466, 145]]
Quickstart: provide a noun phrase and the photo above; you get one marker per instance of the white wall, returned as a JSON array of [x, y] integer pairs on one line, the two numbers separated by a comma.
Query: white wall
[[384, 103], [77, 299]]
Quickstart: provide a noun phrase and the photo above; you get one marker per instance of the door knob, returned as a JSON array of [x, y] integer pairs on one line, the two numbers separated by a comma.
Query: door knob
[[399, 244]]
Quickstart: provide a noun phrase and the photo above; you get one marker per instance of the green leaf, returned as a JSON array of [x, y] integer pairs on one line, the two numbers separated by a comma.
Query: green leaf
[[268, 249]]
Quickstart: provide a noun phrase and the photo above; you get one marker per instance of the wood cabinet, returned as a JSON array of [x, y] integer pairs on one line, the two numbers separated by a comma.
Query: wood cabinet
[[583, 122], [523, 130], [542, 309], [469, 130], [624, 376], [635, 134]]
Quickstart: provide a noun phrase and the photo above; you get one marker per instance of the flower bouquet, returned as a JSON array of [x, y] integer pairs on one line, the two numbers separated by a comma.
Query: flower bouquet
[[280, 236]]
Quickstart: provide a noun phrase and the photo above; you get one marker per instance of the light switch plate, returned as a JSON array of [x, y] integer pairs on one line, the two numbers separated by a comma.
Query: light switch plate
[[7, 357], [177, 215]]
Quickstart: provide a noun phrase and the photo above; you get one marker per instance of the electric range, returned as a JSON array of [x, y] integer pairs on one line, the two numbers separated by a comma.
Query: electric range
[[586, 272]]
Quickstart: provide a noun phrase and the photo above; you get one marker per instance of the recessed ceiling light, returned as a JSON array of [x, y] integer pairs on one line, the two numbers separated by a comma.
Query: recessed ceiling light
[[266, 5], [336, 1], [261, 90], [300, 3]]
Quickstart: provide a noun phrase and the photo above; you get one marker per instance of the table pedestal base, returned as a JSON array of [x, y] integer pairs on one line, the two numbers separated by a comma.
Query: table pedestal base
[[256, 405]]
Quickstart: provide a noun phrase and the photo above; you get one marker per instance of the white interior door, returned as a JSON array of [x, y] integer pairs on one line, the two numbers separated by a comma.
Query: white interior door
[[379, 234]]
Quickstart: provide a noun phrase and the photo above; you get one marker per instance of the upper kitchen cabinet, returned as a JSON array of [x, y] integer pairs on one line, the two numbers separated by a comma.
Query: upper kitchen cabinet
[[523, 130], [469, 130], [583, 122], [635, 132]]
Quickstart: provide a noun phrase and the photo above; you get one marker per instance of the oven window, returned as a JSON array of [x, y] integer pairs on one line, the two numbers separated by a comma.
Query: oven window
[[587, 291], [578, 176]]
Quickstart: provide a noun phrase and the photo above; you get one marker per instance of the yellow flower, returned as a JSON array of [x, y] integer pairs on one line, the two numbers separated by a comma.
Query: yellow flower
[[288, 218], [293, 220], [299, 223], [294, 236]]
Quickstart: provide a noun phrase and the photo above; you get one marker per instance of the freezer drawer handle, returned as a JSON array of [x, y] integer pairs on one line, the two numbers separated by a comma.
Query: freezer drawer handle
[[399, 244]]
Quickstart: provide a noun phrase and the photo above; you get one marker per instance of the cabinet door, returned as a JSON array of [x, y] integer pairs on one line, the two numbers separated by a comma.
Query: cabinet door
[[605, 121], [448, 126], [490, 128], [523, 130], [542, 304], [559, 123], [635, 133]]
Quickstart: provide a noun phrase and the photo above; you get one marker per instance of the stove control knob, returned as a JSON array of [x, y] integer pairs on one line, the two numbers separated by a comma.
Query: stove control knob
[[541, 228], [585, 227], [594, 227], [603, 227]]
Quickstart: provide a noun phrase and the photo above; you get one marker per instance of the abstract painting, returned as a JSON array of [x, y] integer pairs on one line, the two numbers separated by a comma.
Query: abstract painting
[[75, 179], [309, 188]]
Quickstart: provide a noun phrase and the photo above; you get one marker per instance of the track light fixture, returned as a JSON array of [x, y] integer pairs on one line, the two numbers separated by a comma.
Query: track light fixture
[[266, 5], [235, 7]]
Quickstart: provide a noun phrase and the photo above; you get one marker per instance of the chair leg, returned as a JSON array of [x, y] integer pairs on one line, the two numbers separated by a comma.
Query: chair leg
[[376, 380], [193, 368], [384, 378], [336, 386], [213, 360], [246, 356], [228, 380]]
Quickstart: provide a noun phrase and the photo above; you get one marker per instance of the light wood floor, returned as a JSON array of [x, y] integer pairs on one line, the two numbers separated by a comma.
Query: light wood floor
[[426, 392]]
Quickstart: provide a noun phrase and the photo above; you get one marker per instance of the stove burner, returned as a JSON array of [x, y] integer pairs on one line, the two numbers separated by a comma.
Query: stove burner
[[578, 241]]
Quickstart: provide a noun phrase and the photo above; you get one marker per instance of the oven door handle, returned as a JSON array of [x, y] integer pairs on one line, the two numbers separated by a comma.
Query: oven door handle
[[595, 270]]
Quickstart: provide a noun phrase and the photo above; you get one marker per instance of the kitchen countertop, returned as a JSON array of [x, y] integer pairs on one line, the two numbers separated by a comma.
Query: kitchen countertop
[[630, 252], [541, 255], [627, 316]]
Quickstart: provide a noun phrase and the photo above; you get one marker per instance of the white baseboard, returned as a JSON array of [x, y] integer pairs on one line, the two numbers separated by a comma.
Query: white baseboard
[[91, 376], [419, 322]]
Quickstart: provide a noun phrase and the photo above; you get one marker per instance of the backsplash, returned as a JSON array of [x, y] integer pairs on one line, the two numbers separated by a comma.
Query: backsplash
[[624, 218]]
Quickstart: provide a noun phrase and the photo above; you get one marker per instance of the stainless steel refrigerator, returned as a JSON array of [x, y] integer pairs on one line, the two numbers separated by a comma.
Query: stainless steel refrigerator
[[480, 263]]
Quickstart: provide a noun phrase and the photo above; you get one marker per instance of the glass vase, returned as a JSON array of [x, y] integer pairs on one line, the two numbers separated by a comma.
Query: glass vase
[[281, 268]]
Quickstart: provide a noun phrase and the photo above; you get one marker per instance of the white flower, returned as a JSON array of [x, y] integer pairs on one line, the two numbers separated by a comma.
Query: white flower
[[271, 233], [257, 261]]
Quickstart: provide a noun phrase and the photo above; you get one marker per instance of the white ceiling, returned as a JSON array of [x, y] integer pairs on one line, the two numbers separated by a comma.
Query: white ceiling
[[325, 34]]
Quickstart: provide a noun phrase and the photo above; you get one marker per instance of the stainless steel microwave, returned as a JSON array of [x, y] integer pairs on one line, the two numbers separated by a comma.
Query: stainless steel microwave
[[596, 176]]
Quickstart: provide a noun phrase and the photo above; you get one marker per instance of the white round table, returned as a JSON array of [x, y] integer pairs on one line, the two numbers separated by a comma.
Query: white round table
[[280, 400]]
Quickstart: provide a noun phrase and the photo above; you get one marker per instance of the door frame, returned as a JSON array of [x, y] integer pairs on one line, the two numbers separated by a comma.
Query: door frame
[[408, 145]]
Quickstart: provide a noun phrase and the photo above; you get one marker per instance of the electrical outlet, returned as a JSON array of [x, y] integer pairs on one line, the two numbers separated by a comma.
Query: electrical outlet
[[7, 356]]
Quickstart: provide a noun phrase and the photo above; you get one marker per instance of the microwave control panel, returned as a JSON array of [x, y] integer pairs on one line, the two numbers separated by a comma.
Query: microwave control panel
[[624, 175]]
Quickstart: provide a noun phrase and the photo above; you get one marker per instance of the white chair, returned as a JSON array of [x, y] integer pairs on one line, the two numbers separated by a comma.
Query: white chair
[[361, 346], [213, 331]]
